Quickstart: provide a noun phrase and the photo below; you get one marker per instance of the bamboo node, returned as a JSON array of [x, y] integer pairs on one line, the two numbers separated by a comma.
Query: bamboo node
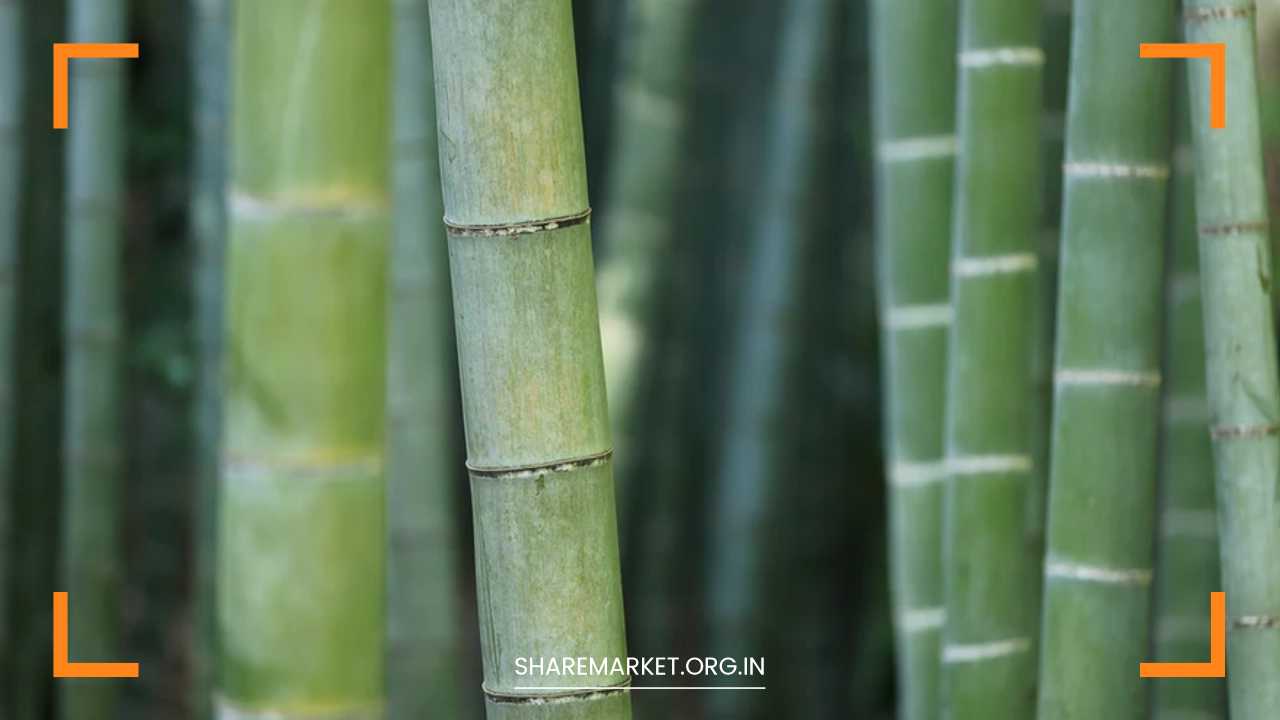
[[1001, 57], [918, 620], [917, 474], [1244, 432], [1205, 14], [1257, 227], [989, 464], [919, 317], [1256, 622], [538, 469], [1103, 376], [980, 652], [1115, 171], [527, 227], [994, 265], [1066, 570], [931, 147], [525, 697]]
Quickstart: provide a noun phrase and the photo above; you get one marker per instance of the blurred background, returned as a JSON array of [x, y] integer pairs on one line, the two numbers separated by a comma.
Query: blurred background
[[774, 151]]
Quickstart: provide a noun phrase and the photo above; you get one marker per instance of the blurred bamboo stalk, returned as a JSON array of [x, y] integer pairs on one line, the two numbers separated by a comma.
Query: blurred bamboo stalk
[[1187, 567], [423, 651], [1099, 562], [11, 164], [209, 64], [754, 456], [1244, 403], [537, 425], [989, 638], [91, 551], [301, 529], [914, 74]]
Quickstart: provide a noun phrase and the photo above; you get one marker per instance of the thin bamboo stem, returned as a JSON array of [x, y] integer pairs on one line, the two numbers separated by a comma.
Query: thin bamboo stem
[[1187, 567], [301, 528], [914, 60], [532, 376], [423, 650], [1240, 351], [1099, 561], [989, 638], [91, 552]]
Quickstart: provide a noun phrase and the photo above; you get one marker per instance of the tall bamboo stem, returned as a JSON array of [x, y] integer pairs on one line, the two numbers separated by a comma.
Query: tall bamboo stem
[[914, 61], [209, 58], [11, 88], [1098, 565], [301, 528], [1240, 351], [990, 629], [1187, 567], [538, 441], [91, 562], [422, 609]]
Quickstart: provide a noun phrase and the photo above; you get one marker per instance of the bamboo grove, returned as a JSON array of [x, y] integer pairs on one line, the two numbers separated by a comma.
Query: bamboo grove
[[612, 359]]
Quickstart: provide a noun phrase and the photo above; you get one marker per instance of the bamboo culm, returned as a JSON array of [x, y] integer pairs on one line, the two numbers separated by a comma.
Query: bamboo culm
[[1099, 561], [301, 530], [1187, 567], [210, 50], [423, 651], [92, 328], [914, 75], [1240, 352], [754, 457], [989, 636], [11, 88], [537, 425]]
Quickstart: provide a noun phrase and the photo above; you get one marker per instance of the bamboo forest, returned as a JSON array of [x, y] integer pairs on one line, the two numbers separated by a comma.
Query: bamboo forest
[[653, 359]]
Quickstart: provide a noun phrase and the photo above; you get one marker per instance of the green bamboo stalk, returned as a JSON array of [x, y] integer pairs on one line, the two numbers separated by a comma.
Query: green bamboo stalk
[[91, 562], [538, 441], [1240, 352], [11, 89], [754, 457], [1098, 566], [301, 529], [422, 612], [1187, 567], [914, 46], [990, 588], [209, 62], [638, 222]]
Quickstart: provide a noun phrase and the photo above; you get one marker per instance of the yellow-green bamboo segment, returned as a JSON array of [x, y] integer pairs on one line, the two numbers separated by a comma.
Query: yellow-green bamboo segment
[[91, 440], [1099, 562], [914, 62], [422, 550], [1187, 567], [537, 425], [989, 637], [301, 531], [1240, 351]]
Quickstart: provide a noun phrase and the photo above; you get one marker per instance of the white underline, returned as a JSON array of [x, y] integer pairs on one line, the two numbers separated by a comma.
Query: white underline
[[614, 688]]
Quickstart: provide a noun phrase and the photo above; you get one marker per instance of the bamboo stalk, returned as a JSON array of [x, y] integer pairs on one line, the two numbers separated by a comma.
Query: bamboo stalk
[[1098, 566], [422, 609], [91, 552], [1244, 404], [990, 629], [754, 458], [11, 156], [1187, 567], [538, 441], [914, 61], [301, 528], [210, 49]]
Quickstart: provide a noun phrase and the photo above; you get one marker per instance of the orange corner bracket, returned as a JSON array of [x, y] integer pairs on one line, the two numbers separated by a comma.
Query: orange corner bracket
[[1216, 54], [64, 668], [63, 54], [1217, 665]]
